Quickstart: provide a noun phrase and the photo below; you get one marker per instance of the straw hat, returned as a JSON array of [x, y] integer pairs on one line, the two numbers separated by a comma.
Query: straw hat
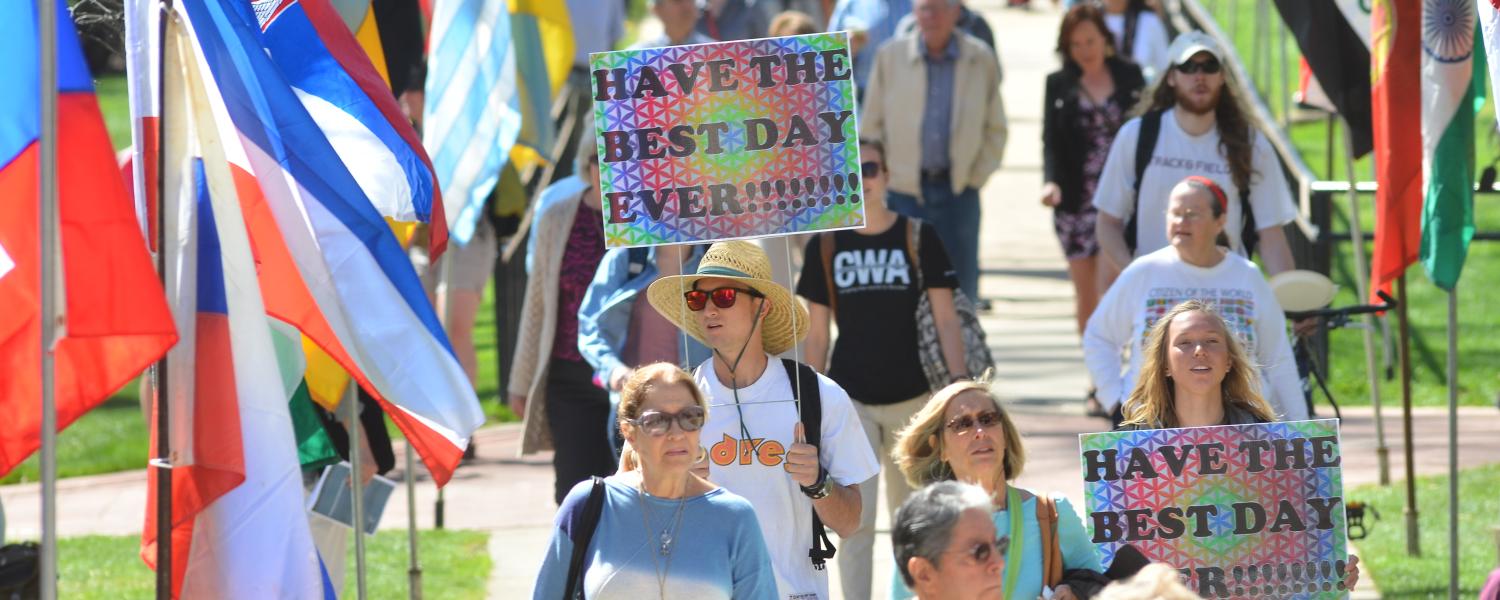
[[746, 263]]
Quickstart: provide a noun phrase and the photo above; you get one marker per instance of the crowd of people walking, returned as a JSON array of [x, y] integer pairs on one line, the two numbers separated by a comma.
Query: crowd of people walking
[[716, 439]]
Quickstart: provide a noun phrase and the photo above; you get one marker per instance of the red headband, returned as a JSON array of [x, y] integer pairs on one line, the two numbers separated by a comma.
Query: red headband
[[1213, 188]]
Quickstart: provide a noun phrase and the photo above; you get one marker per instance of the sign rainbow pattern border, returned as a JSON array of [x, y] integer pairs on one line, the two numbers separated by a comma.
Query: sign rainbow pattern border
[[785, 191]]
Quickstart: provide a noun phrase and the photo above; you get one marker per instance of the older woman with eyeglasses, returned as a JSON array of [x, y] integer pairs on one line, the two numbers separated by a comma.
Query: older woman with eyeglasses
[[964, 434], [662, 531], [945, 543]]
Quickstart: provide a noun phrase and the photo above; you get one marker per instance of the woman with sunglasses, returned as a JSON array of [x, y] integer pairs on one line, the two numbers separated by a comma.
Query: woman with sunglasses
[[663, 531], [867, 281], [963, 434], [945, 543]]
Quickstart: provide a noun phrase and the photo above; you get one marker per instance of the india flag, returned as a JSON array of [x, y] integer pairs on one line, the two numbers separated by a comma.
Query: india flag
[[1449, 101]]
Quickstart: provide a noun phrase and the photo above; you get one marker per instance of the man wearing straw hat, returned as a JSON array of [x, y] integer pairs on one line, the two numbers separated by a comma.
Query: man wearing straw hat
[[756, 443]]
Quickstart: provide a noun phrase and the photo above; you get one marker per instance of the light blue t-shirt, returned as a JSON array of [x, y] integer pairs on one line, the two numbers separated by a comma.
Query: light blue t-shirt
[[717, 551], [1077, 551]]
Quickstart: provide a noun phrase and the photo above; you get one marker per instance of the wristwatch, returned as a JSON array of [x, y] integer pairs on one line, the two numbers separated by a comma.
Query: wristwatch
[[820, 488]]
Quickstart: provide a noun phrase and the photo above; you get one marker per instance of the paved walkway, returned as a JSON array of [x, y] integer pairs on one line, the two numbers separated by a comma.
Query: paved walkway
[[1031, 330]]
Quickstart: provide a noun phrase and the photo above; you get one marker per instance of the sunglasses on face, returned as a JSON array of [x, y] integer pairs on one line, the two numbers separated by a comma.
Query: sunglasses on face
[[869, 168], [657, 423], [983, 552], [961, 425], [723, 297], [1208, 67]]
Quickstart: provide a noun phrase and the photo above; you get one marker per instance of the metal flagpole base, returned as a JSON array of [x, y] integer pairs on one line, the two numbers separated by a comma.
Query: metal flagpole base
[[414, 570], [1383, 455], [1413, 546]]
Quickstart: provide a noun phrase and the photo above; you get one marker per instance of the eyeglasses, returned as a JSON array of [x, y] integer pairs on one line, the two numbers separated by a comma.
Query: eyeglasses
[[962, 424], [983, 552], [869, 168], [1208, 66], [723, 297], [657, 423]]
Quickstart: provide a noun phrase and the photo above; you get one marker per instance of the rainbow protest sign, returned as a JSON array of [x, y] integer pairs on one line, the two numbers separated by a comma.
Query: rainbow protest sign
[[729, 140], [1244, 511]]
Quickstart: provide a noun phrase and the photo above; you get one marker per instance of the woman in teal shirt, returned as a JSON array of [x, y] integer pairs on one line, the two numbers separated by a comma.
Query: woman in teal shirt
[[963, 433]]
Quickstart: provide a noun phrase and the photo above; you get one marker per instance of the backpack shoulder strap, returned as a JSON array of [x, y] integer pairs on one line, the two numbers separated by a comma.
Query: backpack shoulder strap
[[913, 245], [1145, 145], [805, 383], [1046, 517], [825, 251], [583, 534], [811, 403], [637, 258], [1127, 41], [1249, 232]]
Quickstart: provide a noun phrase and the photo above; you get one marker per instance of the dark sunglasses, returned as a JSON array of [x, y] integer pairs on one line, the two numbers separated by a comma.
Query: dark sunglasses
[[869, 168], [657, 423], [723, 297], [1208, 66], [962, 424], [983, 552]]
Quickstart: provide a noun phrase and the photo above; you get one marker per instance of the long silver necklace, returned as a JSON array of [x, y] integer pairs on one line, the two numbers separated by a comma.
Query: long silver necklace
[[661, 560]]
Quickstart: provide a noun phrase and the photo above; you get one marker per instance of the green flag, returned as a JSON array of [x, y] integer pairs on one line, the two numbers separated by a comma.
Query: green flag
[[314, 449], [1452, 93]]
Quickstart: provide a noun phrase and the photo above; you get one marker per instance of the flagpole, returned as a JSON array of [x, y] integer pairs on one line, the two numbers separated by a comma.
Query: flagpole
[[356, 483], [1361, 287], [48, 254], [162, 462], [1453, 443], [1413, 544], [414, 567]]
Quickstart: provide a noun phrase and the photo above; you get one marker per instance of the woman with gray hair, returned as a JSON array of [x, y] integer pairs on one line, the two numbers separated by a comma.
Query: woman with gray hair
[[945, 543]]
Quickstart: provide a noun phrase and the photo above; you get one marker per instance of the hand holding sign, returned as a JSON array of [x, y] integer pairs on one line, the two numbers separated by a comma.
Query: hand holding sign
[[802, 459], [1240, 510]]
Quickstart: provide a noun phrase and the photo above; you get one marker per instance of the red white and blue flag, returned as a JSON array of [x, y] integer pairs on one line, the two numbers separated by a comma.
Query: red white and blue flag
[[327, 262], [117, 320], [345, 94]]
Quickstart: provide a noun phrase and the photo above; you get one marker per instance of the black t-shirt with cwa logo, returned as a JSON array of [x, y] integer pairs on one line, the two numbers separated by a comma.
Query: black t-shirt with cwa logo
[[875, 356]]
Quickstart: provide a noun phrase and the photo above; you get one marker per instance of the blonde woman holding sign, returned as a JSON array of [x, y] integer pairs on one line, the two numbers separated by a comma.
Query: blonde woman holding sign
[[964, 434], [1195, 373]]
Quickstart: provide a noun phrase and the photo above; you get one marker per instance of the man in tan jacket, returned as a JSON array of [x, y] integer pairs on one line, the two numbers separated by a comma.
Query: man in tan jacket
[[934, 100]]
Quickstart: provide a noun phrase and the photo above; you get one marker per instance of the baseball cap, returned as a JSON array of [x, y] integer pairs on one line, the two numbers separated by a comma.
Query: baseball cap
[[1192, 42]]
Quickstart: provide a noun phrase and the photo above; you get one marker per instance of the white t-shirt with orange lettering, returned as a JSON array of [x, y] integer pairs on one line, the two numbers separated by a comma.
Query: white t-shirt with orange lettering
[[751, 465]]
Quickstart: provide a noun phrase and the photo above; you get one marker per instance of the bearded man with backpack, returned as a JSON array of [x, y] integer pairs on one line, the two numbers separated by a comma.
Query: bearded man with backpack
[[1195, 126]]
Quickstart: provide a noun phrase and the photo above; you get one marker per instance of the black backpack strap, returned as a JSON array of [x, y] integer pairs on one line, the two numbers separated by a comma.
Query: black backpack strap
[[638, 257], [811, 401], [1145, 145], [1127, 39], [582, 534], [1249, 233]]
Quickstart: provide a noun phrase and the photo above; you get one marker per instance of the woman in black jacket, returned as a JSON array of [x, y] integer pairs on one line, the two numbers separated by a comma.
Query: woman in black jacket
[[1087, 101]]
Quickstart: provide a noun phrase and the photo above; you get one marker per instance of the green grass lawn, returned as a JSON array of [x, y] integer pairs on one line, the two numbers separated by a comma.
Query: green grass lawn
[[1479, 338], [110, 438], [455, 564], [1383, 554]]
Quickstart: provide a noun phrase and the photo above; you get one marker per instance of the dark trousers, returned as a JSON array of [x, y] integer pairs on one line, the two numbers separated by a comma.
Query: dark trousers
[[575, 408]]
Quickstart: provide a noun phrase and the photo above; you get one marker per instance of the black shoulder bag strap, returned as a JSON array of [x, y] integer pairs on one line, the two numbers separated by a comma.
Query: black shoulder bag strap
[[1127, 40], [583, 534], [811, 401], [1249, 234], [1145, 145]]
